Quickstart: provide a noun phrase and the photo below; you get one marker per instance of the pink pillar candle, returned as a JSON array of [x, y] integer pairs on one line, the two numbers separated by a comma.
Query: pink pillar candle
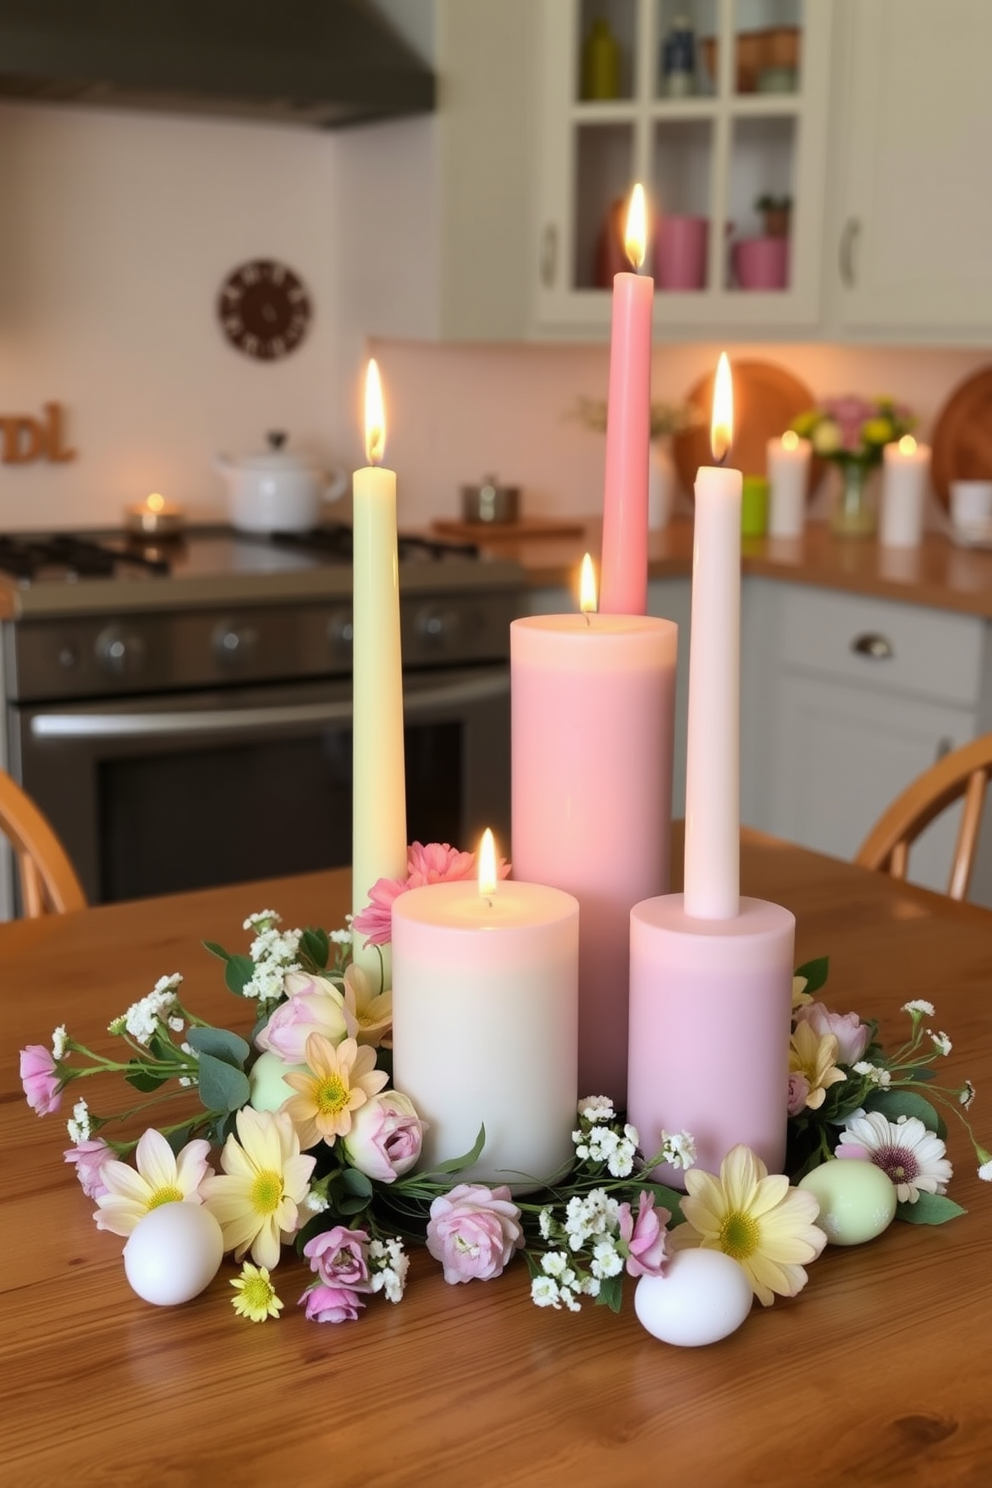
[[592, 739], [710, 1015], [485, 1024]]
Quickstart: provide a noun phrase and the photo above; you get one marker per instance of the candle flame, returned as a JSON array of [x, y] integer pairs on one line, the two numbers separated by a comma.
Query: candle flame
[[487, 865], [907, 445], [587, 587], [790, 440], [636, 232], [722, 425], [375, 415], [155, 502]]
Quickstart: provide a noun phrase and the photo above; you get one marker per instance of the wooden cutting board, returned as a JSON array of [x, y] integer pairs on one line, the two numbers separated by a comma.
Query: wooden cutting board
[[962, 436], [766, 400], [524, 527]]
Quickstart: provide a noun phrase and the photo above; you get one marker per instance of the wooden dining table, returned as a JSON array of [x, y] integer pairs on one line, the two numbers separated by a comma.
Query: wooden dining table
[[879, 1372]]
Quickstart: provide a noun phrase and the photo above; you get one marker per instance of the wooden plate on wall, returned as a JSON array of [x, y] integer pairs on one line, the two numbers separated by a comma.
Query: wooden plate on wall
[[962, 436], [766, 400]]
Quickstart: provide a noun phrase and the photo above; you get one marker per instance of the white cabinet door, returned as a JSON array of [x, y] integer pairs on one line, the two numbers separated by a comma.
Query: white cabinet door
[[914, 240]]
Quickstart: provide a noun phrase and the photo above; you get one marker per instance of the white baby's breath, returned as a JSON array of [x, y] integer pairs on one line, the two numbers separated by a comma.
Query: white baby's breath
[[918, 1008], [59, 1041]]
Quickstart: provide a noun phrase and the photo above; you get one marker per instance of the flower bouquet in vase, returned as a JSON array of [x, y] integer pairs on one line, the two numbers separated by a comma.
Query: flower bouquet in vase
[[851, 432]]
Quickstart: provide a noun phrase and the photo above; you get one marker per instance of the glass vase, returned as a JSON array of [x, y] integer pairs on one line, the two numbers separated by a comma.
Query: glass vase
[[854, 513]]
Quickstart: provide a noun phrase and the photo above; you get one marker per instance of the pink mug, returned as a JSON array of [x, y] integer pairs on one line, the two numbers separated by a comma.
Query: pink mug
[[680, 252], [761, 263]]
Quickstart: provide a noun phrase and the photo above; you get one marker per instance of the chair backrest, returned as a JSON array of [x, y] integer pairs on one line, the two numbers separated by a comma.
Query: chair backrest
[[964, 772], [48, 880]]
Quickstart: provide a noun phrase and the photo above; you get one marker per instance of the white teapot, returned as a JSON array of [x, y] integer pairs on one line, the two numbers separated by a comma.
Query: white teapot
[[277, 491]]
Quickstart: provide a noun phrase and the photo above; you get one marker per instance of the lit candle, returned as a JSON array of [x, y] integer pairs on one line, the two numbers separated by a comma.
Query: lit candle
[[485, 1021], [155, 516], [628, 430], [712, 809], [379, 846], [788, 476], [592, 705], [904, 482]]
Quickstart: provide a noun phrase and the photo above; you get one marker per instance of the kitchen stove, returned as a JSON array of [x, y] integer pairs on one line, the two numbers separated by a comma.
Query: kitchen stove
[[157, 693]]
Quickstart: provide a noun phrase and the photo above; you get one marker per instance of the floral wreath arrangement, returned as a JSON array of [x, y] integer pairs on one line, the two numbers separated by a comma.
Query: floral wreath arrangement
[[317, 1151], [853, 430]]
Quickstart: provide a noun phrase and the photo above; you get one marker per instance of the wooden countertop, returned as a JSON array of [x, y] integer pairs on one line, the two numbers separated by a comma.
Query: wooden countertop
[[939, 573], [877, 1373]]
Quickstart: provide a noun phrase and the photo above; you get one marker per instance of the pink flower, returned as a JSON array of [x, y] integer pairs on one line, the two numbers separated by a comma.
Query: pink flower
[[847, 1148], [89, 1157], [376, 921], [313, 1005], [332, 1304], [473, 1231], [386, 1136], [41, 1080], [340, 1259], [438, 862], [646, 1237], [799, 1088], [851, 1034]]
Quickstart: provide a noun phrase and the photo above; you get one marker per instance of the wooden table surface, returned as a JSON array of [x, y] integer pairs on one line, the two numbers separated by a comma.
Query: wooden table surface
[[877, 1373]]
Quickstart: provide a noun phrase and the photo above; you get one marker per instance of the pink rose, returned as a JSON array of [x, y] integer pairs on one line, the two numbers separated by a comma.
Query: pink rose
[[847, 1028], [473, 1231], [89, 1157], [646, 1237], [340, 1258], [798, 1093], [313, 1005], [386, 1136], [332, 1304], [40, 1078]]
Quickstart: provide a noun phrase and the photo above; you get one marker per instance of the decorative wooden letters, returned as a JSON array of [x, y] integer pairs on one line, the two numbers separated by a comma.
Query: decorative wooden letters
[[24, 439]]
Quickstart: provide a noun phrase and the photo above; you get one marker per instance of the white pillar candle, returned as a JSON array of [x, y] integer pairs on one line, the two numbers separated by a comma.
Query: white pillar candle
[[904, 483], [788, 478], [485, 1023], [712, 809], [379, 846]]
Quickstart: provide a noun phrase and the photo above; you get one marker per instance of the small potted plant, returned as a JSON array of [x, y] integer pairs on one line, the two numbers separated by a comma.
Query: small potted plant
[[777, 211]]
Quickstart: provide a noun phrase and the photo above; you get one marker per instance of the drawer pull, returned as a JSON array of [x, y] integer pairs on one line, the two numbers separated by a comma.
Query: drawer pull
[[878, 647]]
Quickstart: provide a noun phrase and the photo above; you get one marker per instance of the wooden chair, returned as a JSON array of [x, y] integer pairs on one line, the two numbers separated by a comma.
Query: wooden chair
[[964, 772], [48, 880]]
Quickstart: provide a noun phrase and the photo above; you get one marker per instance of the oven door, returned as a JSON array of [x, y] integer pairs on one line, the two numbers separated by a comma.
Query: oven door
[[155, 796]]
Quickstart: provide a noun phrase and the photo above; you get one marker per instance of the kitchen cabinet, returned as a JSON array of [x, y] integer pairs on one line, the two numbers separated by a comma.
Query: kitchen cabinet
[[914, 217], [706, 155], [845, 700]]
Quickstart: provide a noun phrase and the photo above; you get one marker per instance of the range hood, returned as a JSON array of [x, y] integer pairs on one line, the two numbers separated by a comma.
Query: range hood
[[327, 63]]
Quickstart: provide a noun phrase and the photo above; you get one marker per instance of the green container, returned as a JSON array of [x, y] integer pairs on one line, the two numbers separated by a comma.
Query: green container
[[754, 506]]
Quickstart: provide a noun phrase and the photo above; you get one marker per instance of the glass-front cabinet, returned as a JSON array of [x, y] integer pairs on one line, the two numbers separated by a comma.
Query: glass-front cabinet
[[720, 108]]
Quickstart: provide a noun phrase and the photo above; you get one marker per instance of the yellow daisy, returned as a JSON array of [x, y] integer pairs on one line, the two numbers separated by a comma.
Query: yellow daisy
[[813, 1056], [336, 1082], [265, 1179], [256, 1296], [161, 1178], [766, 1226], [372, 1011], [800, 997]]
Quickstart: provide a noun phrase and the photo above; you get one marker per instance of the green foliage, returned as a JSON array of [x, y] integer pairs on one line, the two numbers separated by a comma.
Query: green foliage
[[221, 1043], [895, 1103], [815, 972], [223, 1086], [930, 1209]]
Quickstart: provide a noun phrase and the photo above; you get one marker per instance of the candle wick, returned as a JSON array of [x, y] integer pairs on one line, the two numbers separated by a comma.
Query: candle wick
[[488, 901], [588, 621]]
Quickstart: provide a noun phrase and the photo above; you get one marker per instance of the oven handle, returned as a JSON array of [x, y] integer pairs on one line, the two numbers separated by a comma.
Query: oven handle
[[233, 721]]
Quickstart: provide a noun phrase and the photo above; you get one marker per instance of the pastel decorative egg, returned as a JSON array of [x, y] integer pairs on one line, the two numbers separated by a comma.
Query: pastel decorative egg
[[173, 1253], [703, 1296], [857, 1199], [265, 1080]]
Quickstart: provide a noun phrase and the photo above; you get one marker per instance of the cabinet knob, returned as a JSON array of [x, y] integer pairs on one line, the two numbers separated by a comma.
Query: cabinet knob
[[549, 256], [848, 238], [877, 647]]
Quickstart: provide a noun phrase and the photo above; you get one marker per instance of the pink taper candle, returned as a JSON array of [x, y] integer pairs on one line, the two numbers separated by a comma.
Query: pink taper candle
[[624, 577], [712, 782]]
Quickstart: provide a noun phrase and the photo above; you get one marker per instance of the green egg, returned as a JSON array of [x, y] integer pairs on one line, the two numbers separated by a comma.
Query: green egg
[[857, 1200]]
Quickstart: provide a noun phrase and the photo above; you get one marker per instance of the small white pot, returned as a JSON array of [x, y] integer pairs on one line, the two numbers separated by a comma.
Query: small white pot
[[277, 491]]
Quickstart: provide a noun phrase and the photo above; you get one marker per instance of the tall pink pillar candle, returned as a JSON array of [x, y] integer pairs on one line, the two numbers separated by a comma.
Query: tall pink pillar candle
[[710, 1005], [485, 1024], [592, 710], [624, 568]]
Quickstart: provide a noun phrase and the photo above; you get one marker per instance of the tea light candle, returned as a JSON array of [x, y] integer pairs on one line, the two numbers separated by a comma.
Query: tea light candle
[[155, 517], [904, 481], [788, 475], [379, 846], [485, 1021]]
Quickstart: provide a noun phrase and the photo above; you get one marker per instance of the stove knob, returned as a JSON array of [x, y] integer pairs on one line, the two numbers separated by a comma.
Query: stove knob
[[120, 652], [234, 645], [436, 626], [341, 633]]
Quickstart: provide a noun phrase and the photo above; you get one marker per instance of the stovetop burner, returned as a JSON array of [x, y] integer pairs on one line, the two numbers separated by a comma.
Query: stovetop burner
[[337, 541], [67, 556]]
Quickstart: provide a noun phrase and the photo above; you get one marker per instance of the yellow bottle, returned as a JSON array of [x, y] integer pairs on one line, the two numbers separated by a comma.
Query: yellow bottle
[[600, 63]]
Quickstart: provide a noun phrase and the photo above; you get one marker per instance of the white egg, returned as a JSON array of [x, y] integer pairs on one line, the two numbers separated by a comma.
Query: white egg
[[857, 1199], [173, 1253], [703, 1296], [265, 1080]]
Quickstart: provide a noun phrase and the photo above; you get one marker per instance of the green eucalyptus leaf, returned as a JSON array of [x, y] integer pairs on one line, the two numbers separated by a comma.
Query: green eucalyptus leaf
[[611, 1293], [315, 946], [216, 950], [929, 1209], [161, 1047], [455, 1164], [895, 1103], [354, 1182], [144, 1082], [238, 973], [815, 972], [223, 1087], [221, 1043], [351, 1204]]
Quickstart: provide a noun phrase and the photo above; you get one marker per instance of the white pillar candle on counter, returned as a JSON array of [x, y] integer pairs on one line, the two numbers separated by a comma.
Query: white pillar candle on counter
[[788, 479], [592, 727], [904, 484], [379, 846], [485, 1021], [712, 778]]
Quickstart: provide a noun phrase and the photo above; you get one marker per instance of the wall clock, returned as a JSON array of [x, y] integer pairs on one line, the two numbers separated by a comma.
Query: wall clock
[[264, 309]]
